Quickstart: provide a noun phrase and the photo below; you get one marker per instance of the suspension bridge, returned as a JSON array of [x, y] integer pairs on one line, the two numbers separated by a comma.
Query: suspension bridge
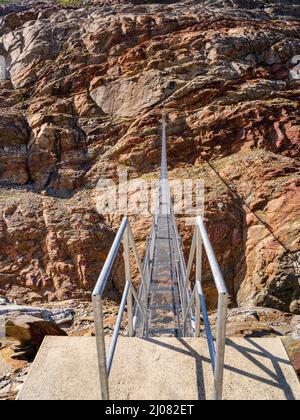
[[170, 352]]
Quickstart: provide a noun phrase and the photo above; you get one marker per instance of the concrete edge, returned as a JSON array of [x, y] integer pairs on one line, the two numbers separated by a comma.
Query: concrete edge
[[32, 367]]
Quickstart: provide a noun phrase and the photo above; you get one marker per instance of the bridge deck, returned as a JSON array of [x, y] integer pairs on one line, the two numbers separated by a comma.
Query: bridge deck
[[164, 302], [164, 305]]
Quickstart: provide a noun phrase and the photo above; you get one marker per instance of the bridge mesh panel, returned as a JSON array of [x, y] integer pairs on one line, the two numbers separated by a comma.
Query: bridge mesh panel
[[164, 302]]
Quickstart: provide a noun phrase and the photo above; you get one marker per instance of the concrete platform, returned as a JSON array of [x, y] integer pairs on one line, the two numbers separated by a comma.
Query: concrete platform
[[161, 369]]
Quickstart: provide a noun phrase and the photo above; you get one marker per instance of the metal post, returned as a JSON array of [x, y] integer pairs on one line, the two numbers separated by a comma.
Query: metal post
[[140, 268], [130, 314], [220, 346], [100, 343], [128, 278], [192, 298], [181, 269], [186, 281], [116, 332], [147, 269], [197, 315], [198, 279], [191, 259]]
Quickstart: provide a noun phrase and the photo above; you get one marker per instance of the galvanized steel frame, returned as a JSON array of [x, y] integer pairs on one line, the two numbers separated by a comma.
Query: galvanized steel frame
[[124, 236], [217, 352]]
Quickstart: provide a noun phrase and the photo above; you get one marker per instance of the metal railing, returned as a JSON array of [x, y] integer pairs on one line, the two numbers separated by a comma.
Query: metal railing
[[197, 301], [125, 237], [138, 323], [181, 269], [192, 299]]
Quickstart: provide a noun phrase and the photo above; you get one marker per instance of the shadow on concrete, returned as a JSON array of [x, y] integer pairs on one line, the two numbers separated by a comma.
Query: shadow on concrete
[[275, 378], [191, 353], [199, 369]]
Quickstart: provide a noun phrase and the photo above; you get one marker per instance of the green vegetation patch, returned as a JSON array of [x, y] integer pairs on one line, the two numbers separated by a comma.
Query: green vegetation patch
[[73, 3]]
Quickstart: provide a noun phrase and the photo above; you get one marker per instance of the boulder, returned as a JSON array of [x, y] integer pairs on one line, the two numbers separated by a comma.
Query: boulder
[[250, 329], [31, 331], [58, 316], [293, 349]]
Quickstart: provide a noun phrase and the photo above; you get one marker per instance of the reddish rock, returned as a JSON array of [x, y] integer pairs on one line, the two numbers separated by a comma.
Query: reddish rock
[[57, 253], [13, 149], [79, 104], [293, 349]]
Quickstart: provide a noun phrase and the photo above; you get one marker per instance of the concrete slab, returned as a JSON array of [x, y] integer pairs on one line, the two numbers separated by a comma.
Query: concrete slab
[[161, 369], [63, 370]]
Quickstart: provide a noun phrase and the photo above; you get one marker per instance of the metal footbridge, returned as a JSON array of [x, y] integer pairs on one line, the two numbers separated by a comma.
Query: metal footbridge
[[170, 301]]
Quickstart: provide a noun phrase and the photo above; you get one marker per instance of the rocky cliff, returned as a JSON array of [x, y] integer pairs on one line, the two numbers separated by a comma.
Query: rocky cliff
[[83, 96]]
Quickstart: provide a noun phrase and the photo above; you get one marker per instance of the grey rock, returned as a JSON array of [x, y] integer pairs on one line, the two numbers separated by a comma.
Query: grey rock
[[128, 97], [58, 316]]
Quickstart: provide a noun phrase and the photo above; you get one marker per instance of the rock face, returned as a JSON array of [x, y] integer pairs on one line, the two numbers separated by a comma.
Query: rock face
[[13, 163], [51, 251], [84, 93]]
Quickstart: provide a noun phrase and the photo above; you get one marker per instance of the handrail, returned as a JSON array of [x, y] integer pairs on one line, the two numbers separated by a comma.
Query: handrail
[[186, 291], [218, 277], [105, 363], [117, 327], [106, 270], [210, 339], [147, 272], [217, 353]]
